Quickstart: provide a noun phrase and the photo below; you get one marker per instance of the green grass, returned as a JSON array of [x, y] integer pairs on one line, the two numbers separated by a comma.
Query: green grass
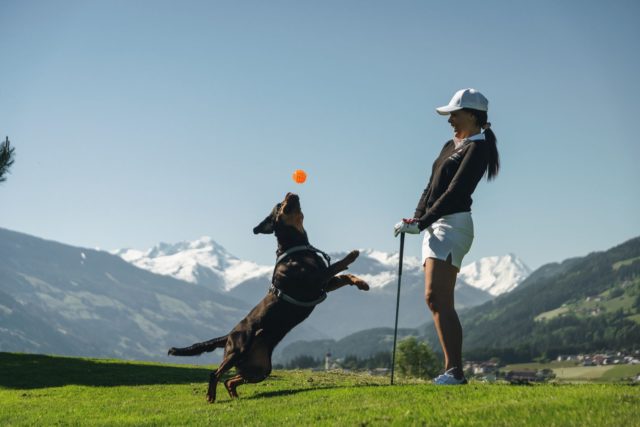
[[44, 390]]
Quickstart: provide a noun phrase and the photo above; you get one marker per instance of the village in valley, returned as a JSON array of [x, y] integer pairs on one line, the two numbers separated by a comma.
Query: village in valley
[[492, 370], [569, 368]]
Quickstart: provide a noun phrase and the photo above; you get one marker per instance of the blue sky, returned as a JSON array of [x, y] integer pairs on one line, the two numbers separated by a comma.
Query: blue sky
[[147, 121]]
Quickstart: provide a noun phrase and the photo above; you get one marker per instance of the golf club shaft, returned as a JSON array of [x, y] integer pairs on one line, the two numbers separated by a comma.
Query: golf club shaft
[[395, 330]]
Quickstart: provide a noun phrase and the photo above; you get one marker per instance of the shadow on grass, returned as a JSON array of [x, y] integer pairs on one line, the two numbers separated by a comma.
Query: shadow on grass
[[31, 371], [290, 392], [279, 393]]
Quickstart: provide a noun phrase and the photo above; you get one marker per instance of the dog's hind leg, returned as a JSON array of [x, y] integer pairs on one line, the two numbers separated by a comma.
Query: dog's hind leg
[[254, 367], [213, 384], [232, 383], [228, 362], [238, 344]]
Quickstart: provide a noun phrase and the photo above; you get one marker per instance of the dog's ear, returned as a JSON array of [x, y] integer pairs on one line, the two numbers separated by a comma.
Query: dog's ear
[[265, 227], [268, 224]]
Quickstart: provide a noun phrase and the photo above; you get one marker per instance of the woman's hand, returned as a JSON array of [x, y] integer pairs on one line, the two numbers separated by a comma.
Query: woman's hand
[[407, 225]]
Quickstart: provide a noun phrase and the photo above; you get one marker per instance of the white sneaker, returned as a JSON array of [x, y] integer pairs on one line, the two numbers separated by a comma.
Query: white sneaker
[[448, 379]]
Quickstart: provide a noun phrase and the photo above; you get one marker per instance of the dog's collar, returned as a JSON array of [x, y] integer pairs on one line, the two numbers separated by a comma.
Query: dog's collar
[[289, 251]]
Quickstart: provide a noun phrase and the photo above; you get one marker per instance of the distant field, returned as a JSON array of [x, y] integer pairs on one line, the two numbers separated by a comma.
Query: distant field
[[570, 371], [583, 372], [548, 315], [43, 390], [629, 261], [535, 366], [635, 318]]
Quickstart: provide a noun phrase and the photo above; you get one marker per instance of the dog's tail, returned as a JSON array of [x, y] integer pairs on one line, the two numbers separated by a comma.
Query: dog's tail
[[199, 348]]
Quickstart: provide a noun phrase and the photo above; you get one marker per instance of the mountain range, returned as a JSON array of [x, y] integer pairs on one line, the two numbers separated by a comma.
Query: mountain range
[[60, 299], [205, 263], [57, 298], [202, 262]]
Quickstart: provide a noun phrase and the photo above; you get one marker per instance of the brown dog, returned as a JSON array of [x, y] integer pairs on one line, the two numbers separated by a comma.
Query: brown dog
[[301, 279]]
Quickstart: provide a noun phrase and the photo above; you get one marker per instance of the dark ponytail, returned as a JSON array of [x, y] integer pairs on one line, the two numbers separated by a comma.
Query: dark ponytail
[[493, 165]]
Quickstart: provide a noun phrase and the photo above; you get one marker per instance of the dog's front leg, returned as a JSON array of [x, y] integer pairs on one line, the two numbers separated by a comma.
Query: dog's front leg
[[336, 282], [343, 264]]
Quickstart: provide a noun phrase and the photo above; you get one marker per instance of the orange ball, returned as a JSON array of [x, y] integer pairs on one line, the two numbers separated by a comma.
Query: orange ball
[[299, 176]]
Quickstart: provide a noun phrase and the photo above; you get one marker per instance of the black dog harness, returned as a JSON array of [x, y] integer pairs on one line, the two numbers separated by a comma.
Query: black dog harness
[[281, 295]]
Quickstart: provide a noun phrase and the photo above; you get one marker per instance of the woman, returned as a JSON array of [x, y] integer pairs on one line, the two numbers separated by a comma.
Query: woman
[[444, 211]]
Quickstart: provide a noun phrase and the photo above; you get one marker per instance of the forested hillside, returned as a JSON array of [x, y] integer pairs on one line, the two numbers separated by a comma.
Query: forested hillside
[[580, 305]]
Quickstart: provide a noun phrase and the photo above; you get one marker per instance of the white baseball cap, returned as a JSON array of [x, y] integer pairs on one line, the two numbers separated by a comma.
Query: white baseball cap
[[465, 98]]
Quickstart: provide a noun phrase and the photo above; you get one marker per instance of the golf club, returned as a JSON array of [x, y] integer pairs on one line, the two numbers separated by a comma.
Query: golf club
[[395, 330]]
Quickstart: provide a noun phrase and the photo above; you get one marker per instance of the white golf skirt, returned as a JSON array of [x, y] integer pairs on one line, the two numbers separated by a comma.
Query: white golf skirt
[[451, 235]]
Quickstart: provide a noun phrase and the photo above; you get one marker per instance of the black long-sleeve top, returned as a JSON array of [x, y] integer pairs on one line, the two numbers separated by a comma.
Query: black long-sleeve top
[[454, 177]]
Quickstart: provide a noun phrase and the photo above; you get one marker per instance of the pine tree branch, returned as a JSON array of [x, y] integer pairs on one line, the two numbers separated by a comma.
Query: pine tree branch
[[6, 158]]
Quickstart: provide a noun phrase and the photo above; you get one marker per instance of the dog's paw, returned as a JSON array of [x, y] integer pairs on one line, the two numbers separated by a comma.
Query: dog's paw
[[361, 284], [352, 256], [357, 282], [211, 394]]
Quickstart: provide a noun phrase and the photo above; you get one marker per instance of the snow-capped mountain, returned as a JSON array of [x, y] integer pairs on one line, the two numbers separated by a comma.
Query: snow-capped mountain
[[205, 262], [496, 275], [202, 261], [60, 299], [56, 298]]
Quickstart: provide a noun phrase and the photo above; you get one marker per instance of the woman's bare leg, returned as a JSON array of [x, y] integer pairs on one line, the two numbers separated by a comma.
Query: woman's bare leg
[[440, 280]]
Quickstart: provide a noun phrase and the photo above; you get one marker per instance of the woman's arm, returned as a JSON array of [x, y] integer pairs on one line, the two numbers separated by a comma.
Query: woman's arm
[[422, 203], [421, 209], [464, 182]]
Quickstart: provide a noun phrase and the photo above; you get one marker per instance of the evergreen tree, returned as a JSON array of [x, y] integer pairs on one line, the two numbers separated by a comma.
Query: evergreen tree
[[415, 359], [6, 158]]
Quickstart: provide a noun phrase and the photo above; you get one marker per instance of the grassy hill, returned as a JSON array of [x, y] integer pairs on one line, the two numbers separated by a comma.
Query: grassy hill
[[622, 297], [46, 390]]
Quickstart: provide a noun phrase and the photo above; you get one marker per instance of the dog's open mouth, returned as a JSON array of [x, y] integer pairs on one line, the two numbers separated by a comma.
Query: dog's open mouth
[[291, 203]]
